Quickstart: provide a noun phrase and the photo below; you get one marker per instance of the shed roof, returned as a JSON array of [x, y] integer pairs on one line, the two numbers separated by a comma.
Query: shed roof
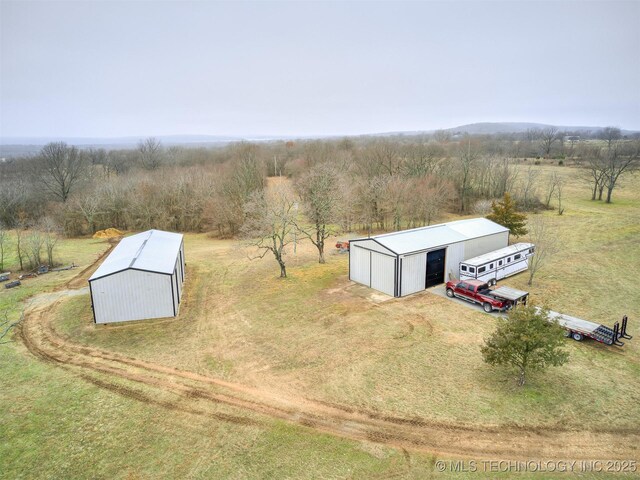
[[425, 238], [151, 251]]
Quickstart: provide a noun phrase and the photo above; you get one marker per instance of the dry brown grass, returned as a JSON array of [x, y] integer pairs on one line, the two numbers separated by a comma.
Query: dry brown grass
[[317, 335]]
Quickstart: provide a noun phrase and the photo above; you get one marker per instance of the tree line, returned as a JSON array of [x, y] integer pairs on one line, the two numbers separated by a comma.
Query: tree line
[[365, 183]]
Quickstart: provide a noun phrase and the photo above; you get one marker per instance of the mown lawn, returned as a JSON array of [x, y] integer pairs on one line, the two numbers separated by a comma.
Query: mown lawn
[[314, 334]]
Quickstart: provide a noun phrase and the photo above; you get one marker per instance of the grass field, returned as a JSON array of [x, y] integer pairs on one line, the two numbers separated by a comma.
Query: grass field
[[315, 335]]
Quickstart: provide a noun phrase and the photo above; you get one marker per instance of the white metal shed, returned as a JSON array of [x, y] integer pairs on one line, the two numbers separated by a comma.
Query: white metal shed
[[409, 261], [141, 278]]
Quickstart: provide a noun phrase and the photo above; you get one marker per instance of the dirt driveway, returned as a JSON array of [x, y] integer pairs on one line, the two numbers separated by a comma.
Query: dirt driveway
[[440, 291]]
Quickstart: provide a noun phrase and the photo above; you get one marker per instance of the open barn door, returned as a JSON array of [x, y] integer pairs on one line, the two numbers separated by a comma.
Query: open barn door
[[435, 267]]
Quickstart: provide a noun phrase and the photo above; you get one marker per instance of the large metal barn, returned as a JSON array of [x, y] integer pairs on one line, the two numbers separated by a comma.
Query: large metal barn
[[141, 278], [406, 262]]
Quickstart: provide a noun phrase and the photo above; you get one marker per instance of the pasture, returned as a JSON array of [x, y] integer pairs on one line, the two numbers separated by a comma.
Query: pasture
[[316, 337]]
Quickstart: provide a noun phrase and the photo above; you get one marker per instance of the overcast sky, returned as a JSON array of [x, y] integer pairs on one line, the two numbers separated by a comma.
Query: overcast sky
[[120, 68]]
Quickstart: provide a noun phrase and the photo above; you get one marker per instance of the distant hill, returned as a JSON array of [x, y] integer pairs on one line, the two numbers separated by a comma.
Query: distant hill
[[487, 128], [17, 146]]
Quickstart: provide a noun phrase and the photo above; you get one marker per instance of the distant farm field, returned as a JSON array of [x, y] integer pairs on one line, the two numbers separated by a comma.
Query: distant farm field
[[316, 337]]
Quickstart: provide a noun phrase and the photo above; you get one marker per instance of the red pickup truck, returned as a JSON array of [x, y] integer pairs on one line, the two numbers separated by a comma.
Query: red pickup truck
[[477, 291]]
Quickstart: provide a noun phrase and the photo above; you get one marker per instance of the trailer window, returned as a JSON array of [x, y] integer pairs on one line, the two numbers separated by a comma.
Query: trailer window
[[463, 268], [491, 266], [516, 257], [481, 269], [472, 270], [499, 262], [508, 259]]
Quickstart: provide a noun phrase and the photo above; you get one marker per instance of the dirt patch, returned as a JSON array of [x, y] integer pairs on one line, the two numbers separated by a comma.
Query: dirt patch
[[108, 233], [81, 279]]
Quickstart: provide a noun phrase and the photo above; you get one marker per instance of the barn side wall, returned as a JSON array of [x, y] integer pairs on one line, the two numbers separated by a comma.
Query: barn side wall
[[486, 244], [359, 265], [132, 295], [383, 273]]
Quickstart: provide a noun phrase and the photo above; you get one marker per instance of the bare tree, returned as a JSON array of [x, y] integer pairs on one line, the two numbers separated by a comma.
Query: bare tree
[[50, 232], [620, 159], [426, 198], [320, 199], [546, 244], [596, 169], [528, 187], [89, 206], [13, 196], [119, 161], [610, 135], [59, 168], [4, 241], [20, 251], [548, 136], [552, 184], [442, 136], [559, 192], [467, 156], [270, 217], [533, 134], [150, 153], [395, 199], [35, 242]]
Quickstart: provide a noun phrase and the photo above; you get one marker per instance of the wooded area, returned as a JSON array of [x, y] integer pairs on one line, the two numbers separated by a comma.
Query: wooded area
[[361, 183]]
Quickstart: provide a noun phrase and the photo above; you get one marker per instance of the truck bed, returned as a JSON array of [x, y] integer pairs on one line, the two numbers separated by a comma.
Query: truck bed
[[509, 293]]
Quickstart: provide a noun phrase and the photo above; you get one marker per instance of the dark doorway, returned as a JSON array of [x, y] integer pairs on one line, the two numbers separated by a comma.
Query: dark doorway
[[435, 267]]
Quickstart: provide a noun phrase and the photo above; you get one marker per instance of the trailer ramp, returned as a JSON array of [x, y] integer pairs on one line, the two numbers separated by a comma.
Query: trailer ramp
[[597, 331]]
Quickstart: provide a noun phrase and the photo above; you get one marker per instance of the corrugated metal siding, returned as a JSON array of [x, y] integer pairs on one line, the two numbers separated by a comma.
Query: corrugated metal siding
[[482, 245], [132, 295], [414, 272], [359, 265], [383, 270], [456, 253], [371, 245]]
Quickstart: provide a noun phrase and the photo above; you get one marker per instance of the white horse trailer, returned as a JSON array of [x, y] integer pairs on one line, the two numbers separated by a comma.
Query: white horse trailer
[[499, 264]]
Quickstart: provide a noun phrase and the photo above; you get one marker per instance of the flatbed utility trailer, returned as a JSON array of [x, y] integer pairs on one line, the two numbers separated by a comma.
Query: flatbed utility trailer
[[578, 329]]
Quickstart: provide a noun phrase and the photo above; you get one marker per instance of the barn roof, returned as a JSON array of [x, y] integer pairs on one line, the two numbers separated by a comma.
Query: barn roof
[[424, 238], [151, 251]]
